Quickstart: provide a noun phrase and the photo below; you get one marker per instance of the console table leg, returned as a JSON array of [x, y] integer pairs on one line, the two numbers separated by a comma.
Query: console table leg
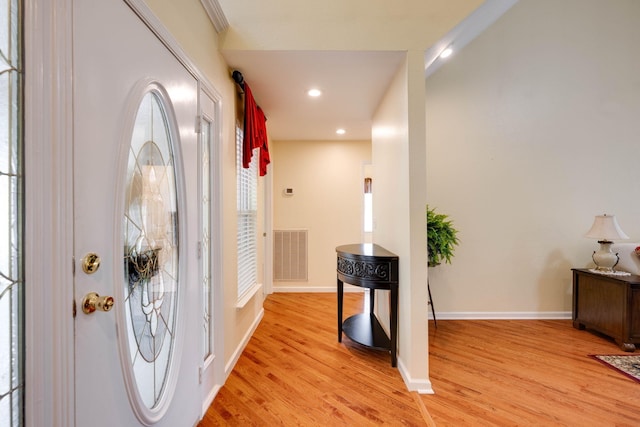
[[340, 290], [372, 299], [394, 325]]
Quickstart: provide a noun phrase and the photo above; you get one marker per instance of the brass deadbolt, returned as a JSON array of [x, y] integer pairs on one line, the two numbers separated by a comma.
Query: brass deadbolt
[[90, 263]]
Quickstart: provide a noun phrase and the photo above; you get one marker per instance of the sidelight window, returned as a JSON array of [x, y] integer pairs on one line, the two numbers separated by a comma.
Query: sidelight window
[[205, 234], [11, 218]]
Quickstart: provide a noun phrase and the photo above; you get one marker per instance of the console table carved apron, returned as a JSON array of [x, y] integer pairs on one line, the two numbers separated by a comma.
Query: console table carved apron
[[609, 305], [369, 266]]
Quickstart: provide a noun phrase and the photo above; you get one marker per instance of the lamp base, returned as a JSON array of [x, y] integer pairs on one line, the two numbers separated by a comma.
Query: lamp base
[[604, 259]]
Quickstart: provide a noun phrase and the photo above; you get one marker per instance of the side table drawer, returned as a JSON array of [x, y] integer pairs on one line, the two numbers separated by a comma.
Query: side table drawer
[[366, 272]]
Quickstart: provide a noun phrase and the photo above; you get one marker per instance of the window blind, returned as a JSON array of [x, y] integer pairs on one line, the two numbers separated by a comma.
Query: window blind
[[247, 195]]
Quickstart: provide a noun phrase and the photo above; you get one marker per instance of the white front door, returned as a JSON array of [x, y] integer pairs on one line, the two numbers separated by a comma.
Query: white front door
[[135, 209]]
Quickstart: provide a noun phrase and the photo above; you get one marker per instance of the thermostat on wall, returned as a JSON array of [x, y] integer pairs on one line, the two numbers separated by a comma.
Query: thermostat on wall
[[288, 191]]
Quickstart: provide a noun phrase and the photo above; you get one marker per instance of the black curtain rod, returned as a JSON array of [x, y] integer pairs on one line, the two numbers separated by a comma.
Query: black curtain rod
[[238, 78]]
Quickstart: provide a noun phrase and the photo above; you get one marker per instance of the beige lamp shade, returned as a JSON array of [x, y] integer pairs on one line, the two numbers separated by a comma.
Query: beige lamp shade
[[606, 228]]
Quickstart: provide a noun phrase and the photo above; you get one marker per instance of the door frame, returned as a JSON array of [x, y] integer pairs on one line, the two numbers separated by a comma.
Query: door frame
[[48, 160]]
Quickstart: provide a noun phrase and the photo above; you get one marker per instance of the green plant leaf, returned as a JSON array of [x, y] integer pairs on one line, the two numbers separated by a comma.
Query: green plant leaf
[[441, 238]]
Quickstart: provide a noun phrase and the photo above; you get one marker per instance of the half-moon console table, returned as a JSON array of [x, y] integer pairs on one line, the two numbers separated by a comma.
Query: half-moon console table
[[369, 266]]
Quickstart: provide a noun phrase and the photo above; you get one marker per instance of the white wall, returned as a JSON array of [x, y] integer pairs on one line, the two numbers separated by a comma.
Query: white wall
[[532, 130], [327, 178]]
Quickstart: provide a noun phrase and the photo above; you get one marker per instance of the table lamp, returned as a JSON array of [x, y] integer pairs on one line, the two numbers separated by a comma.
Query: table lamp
[[605, 228]]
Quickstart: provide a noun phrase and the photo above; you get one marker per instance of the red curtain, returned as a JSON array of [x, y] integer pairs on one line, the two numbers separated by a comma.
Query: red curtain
[[255, 132]]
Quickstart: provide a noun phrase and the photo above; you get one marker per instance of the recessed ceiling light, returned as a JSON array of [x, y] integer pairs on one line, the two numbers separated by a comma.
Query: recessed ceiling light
[[341, 131], [314, 92], [446, 52]]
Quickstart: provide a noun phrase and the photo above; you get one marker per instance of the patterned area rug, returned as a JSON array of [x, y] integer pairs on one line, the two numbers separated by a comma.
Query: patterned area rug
[[627, 364]]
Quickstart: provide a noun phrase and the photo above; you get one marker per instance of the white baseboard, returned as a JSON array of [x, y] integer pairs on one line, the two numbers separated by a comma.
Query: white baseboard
[[421, 386], [316, 289], [503, 315], [245, 340]]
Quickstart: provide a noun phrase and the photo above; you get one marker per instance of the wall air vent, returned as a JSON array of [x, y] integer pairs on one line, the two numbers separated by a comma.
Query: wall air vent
[[290, 255]]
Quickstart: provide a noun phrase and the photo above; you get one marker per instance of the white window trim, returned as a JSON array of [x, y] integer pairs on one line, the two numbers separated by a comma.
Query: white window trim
[[244, 300]]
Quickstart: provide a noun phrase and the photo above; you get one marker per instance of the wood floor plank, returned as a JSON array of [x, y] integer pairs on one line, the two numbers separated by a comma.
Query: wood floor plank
[[485, 373]]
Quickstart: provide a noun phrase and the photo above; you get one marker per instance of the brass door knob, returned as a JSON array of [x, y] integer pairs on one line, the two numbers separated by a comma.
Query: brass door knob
[[92, 302]]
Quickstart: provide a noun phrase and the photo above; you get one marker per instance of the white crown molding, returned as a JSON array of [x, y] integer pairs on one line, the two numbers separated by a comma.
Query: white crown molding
[[466, 31], [216, 15]]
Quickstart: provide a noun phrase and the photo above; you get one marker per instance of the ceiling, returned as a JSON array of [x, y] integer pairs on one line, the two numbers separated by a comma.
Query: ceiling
[[352, 85], [352, 81]]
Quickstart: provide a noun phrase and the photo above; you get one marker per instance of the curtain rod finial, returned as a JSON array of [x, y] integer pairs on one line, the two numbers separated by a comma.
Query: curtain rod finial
[[237, 77]]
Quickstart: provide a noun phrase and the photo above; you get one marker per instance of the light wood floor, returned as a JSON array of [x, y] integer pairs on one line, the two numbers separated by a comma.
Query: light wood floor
[[484, 373]]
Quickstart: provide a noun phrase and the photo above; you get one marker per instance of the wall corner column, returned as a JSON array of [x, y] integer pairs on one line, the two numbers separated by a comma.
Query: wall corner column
[[399, 165]]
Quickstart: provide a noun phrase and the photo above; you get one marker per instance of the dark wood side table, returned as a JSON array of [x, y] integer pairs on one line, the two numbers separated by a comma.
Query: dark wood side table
[[369, 266], [608, 304]]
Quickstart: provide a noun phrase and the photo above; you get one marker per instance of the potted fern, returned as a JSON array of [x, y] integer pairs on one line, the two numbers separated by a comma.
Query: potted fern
[[441, 238]]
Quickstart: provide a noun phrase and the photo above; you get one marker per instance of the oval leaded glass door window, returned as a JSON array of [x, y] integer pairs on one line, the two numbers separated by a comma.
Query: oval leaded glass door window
[[151, 255]]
